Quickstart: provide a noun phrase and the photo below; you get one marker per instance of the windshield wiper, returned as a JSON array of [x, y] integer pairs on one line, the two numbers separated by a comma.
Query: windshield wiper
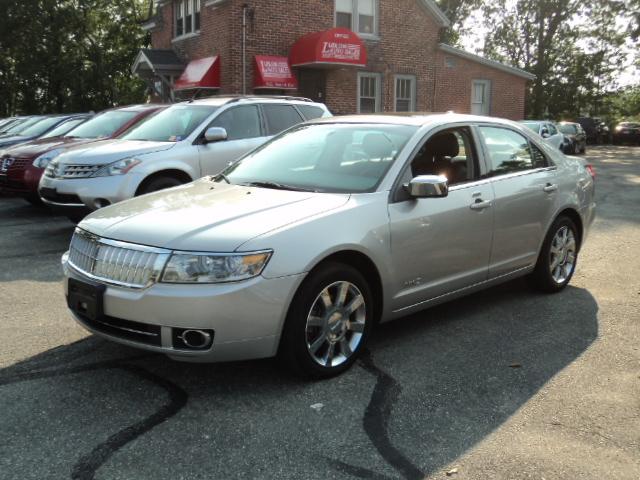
[[277, 186], [222, 176]]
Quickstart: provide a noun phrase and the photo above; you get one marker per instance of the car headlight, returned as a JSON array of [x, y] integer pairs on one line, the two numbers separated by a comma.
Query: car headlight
[[43, 160], [117, 168], [213, 268], [618, 128]]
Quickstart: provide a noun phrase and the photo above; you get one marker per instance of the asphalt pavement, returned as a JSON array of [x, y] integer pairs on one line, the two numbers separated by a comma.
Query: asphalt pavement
[[503, 384]]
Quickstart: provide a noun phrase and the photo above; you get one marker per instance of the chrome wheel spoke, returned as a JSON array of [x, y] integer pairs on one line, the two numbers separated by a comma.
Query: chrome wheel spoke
[[326, 298], [355, 304], [342, 293], [314, 321], [356, 327], [315, 346], [345, 348], [330, 354]]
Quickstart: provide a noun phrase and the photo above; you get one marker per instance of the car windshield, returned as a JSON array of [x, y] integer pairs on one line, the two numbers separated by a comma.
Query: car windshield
[[64, 128], [332, 158], [18, 128], [568, 128], [535, 126], [41, 127], [103, 125], [171, 125], [630, 125]]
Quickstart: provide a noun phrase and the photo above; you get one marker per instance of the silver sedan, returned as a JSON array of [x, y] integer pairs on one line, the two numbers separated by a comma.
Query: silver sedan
[[305, 244]]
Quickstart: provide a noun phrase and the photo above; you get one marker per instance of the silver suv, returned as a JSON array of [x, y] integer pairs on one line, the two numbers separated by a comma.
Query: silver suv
[[187, 141]]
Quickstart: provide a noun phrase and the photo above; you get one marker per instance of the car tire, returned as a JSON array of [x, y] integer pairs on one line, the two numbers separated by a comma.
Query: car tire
[[558, 257], [76, 217], [159, 183], [34, 200], [576, 148], [328, 323]]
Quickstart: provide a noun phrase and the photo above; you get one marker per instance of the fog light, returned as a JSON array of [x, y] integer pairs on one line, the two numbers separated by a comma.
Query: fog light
[[101, 203]]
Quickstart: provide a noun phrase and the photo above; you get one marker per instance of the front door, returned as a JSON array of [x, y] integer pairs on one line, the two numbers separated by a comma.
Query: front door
[[244, 133], [440, 245], [313, 84]]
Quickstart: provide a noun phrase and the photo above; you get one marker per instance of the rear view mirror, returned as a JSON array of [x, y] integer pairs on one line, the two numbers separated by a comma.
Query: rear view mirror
[[428, 186], [215, 134]]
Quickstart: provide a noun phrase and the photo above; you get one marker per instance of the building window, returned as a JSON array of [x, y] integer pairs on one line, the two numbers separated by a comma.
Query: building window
[[187, 13], [405, 93], [481, 97], [369, 92], [361, 16]]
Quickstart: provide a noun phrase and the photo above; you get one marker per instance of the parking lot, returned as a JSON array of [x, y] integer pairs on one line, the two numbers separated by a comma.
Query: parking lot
[[504, 384]]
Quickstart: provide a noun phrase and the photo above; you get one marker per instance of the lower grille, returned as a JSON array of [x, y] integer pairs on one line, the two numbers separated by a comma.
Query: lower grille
[[65, 198], [126, 330], [120, 263]]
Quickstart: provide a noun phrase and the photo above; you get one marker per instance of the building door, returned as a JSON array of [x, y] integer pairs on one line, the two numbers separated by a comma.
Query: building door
[[481, 97], [313, 84]]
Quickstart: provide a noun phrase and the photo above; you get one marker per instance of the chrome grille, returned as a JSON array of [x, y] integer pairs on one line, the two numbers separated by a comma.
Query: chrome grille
[[78, 171], [134, 266]]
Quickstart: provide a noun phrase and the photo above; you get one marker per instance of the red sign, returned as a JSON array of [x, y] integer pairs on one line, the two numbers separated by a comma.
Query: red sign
[[338, 46], [274, 72]]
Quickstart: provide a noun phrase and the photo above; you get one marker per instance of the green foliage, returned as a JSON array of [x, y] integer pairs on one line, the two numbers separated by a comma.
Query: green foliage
[[69, 55], [574, 47], [457, 11]]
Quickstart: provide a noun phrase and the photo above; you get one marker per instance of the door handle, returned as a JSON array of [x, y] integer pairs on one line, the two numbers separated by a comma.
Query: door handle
[[549, 188], [480, 205]]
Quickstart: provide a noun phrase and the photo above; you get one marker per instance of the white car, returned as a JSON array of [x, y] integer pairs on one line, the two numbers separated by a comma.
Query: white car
[[549, 131], [187, 141]]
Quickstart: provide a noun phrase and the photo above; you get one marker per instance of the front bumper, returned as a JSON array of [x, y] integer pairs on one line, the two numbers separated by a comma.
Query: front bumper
[[246, 317], [84, 193]]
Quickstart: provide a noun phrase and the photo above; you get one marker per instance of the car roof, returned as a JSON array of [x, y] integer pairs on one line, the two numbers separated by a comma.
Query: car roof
[[219, 101], [413, 119], [139, 108]]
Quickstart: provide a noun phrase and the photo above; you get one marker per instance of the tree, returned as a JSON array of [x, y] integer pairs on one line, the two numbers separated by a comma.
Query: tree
[[69, 55]]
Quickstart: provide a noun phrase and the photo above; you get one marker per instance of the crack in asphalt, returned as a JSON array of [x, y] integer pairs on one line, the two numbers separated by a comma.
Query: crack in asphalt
[[87, 466], [376, 425]]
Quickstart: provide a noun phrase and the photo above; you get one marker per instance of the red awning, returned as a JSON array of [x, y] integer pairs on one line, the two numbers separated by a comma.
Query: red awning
[[274, 72], [338, 46], [201, 73]]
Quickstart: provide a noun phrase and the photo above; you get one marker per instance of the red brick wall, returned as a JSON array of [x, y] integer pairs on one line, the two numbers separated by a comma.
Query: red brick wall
[[453, 87], [407, 45]]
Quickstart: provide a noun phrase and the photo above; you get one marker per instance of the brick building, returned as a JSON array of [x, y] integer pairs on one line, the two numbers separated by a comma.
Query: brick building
[[353, 55]]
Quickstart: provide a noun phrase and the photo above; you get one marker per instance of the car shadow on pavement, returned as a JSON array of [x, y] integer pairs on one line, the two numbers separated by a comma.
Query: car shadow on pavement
[[430, 387]]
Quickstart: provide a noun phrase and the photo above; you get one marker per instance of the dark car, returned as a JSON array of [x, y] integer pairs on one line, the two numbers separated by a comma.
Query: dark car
[[596, 130], [627, 132], [36, 129], [22, 166], [577, 137]]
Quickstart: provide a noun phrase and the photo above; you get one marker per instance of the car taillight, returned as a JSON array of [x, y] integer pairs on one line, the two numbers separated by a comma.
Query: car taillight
[[591, 171]]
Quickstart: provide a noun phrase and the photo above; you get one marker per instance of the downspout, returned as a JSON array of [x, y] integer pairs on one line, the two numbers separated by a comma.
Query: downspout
[[245, 7]]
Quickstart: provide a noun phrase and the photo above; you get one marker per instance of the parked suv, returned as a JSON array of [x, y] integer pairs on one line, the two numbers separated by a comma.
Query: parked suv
[[549, 131], [186, 141], [627, 132], [576, 137], [22, 166]]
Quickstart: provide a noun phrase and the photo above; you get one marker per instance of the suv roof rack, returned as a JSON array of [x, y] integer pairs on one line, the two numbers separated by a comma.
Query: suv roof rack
[[268, 97]]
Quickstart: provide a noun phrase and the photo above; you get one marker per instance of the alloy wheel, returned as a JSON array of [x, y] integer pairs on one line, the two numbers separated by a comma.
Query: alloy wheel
[[335, 324], [562, 255]]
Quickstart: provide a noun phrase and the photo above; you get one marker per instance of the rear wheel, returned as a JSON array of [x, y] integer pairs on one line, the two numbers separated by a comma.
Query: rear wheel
[[159, 183], [329, 322], [558, 258]]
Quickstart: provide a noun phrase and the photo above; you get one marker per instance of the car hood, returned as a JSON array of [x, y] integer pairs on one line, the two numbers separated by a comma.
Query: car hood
[[12, 140], [108, 151], [43, 145], [206, 216]]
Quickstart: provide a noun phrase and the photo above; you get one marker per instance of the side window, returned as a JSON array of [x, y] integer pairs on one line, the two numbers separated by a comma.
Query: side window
[[280, 117], [508, 151], [310, 112], [539, 160], [239, 122], [449, 153], [552, 129]]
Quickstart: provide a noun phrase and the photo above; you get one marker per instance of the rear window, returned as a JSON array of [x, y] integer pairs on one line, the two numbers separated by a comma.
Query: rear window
[[280, 117], [532, 126], [568, 129], [311, 112]]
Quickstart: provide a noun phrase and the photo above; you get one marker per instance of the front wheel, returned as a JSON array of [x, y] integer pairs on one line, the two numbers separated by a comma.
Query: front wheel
[[558, 257], [328, 323], [160, 183]]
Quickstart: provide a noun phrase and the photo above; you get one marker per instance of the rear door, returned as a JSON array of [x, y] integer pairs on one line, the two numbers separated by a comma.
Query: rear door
[[525, 185], [244, 132], [440, 245]]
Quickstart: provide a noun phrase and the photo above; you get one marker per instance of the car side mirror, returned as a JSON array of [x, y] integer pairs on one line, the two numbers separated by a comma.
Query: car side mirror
[[215, 134], [428, 186], [545, 133]]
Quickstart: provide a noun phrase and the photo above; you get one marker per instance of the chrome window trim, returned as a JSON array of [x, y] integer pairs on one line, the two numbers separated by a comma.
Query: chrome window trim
[[498, 178]]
